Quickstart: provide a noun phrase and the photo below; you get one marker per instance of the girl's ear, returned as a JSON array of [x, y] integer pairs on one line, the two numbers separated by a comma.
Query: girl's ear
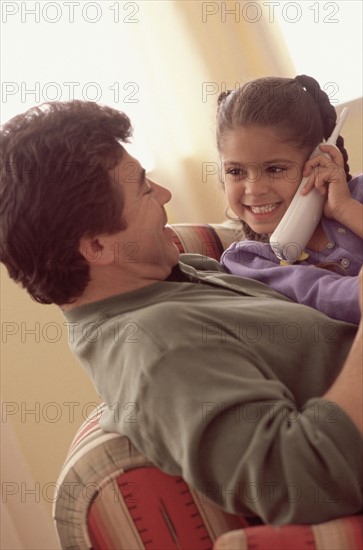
[[97, 250]]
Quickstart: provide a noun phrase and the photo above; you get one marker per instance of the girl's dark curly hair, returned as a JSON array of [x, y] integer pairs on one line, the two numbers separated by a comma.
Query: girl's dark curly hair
[[56, 188], [298, 109]]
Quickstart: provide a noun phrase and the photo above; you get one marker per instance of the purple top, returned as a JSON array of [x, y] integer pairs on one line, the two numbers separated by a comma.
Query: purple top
[[333, 294]]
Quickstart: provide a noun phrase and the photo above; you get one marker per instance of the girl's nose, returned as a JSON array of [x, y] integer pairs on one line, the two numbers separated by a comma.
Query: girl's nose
[[256, 183]]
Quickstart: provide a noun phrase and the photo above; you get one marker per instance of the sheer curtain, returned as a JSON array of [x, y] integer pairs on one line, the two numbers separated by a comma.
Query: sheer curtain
[[25, 523], [198, 50]]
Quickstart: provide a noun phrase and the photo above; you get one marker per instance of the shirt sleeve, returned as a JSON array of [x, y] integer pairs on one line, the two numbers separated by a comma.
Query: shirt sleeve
[[242, 440], [331, 293], [356, 188]]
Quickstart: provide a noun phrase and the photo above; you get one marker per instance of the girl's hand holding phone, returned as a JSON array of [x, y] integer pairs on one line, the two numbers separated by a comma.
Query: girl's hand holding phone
[[327, 174]]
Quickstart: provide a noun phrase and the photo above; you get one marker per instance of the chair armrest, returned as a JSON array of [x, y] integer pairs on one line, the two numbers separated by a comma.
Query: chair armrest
[[106, 486]]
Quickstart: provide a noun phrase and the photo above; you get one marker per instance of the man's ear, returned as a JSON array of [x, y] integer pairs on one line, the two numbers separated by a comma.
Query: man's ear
[[97, 250]]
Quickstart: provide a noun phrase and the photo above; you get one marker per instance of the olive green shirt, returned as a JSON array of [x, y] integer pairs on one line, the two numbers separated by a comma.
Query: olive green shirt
[[217, 378]]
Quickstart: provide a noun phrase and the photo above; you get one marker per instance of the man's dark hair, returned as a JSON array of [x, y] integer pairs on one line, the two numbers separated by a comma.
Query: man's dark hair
[[55, 189]]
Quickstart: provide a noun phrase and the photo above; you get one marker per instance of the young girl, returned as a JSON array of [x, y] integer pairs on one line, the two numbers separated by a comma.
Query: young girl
[[266, 131]]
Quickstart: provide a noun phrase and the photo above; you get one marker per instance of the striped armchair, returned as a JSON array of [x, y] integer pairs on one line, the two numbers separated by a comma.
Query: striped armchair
[[110, 497]]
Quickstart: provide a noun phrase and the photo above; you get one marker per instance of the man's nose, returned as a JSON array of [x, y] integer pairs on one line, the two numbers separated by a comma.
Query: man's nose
[[163, 194]]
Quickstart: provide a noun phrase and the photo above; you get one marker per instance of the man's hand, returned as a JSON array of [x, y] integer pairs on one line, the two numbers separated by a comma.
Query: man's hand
[[347, 390]]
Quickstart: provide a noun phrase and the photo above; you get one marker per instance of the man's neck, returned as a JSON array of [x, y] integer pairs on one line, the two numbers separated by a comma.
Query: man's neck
[[108, 285]]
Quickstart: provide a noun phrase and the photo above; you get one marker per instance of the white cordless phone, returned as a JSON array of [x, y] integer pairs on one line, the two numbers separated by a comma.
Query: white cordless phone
[[303, 214]]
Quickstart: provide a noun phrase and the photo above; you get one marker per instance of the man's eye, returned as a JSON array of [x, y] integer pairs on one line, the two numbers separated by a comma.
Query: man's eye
[[148, 188]]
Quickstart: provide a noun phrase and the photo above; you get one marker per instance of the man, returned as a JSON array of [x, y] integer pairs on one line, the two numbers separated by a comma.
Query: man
[[197, 367]]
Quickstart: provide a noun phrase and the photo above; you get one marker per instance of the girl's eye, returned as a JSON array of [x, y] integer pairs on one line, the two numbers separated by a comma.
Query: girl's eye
[[235, 172], [276, 169]]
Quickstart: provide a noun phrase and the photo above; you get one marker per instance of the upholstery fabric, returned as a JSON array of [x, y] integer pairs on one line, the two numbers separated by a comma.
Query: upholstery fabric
[[209, 240], [339, 534]]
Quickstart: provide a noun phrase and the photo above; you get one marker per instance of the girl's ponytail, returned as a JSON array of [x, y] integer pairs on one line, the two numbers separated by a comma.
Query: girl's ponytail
[[327, 113]]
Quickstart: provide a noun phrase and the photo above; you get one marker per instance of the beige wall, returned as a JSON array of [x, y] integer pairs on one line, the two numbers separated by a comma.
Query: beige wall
[[45, 393], [353, 135]]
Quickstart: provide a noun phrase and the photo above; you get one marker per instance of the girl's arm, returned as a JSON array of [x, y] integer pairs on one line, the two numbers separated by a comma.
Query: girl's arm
[[329, 292], [329, 177]]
